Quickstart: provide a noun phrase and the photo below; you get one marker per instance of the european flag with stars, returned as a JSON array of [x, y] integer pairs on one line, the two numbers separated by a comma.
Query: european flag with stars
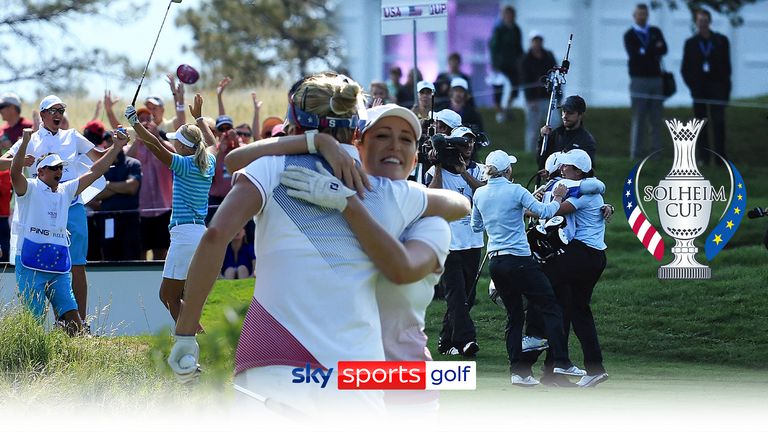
[[737, 208]]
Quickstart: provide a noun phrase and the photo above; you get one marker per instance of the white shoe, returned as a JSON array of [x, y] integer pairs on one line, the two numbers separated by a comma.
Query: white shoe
[[528, 381], [572, 371], [532, 343], [500, 117], [592, 380], [452, 351]]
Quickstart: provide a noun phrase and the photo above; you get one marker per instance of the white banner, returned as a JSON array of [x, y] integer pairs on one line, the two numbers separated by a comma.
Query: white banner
[[398, 16]]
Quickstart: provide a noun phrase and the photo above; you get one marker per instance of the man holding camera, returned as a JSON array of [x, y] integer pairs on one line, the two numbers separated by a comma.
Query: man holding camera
[[572, 134], [455, 170]]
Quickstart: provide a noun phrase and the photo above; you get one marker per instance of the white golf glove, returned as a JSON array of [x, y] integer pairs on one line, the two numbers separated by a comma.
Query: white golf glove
[[185, 347], [320, 188], [130, 114]]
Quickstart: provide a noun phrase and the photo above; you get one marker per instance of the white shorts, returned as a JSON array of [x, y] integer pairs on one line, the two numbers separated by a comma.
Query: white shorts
[[184, 241]]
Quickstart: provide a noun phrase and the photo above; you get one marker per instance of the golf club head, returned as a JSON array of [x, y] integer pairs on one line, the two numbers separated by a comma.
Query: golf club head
[[187, 74], [176, 1]]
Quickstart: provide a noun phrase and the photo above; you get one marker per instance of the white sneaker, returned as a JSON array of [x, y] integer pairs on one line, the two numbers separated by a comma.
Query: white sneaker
[[572, 371], [528, 381], [592, 380], [532, 343], [500, 117], [452, 351]]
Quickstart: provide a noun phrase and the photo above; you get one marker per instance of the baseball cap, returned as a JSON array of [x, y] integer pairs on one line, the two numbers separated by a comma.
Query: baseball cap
[[51, 160], [392, 110], [460, 82], [268, 124], [10, 99], [461, 131], [421, 85], [224, 119], [500, 160], [95, 127], [154, 100], [278, 130], [533, 34], [50, 101], [553, 162], [574, 103], [449, 117], [578, 158]]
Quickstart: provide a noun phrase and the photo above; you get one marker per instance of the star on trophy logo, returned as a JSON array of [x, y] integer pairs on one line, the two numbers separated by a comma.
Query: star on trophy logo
[[684, 199]]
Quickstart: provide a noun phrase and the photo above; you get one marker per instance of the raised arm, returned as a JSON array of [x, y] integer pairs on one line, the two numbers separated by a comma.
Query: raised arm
[[109, 104], [152, 142], [102, 165], [220, 94], [178, 100], [255, 123], [196, 109], [18, 180]]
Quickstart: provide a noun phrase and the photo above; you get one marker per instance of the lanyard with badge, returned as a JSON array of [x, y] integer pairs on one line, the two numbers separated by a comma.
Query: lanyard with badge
[[706, 49], [644, 37]]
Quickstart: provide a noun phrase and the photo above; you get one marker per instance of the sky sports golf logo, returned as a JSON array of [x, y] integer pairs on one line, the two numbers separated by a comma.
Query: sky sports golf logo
[[685, 198], [392, 375]]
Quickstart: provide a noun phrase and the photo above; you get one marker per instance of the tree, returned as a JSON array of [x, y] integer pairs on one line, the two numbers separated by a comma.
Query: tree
[[250, 40], [36, 46], [729, 8]]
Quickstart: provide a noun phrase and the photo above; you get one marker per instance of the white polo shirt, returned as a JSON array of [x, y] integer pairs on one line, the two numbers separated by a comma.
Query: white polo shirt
[[69, 144], [403, 307], [462, 236], [314, 300]]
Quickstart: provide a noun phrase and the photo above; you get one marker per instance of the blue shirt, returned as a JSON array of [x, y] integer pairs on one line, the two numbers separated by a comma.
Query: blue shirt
[[190, 188], [588, 220], [499, 207], [124, 168]]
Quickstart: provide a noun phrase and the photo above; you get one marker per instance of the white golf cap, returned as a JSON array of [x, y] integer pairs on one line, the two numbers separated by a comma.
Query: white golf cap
[[553, 162], [392, 110], [421, 85], [500, 160], [178, 136], [51, 160], [449, 117], [154, 100], [10, 99], [460, 82], [50, 101], [578, 158], [462, 131], [533, 34]]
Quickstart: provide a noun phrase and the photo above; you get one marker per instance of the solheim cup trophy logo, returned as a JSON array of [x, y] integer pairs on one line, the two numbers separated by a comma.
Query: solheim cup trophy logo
[[684, 198]]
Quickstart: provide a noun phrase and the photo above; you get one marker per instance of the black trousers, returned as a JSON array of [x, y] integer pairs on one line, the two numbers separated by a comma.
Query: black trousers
[[715, 115], [574, 275], [515, 276], [125, 243], [458, 283]]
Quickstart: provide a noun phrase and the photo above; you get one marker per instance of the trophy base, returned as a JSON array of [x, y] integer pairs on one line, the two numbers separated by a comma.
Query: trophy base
[[702, 272]]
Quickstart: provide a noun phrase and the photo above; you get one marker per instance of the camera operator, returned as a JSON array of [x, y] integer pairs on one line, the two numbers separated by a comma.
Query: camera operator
[[572, 134], [455, 170]]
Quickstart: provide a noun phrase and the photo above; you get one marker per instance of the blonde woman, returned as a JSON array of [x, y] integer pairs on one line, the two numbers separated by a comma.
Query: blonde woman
[[314, 301], [193, 168]]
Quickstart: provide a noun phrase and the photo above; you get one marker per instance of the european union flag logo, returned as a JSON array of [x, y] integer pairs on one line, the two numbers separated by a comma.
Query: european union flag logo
[[729, 222]]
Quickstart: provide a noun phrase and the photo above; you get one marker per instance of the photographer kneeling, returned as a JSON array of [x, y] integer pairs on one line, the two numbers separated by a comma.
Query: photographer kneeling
[[455, 170]]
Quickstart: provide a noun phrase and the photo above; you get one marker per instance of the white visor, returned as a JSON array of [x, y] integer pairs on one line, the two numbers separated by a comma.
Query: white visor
[[181, 138]]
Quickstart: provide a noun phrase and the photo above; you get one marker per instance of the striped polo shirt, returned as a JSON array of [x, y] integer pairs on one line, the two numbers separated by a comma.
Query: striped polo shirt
[[190, 188]]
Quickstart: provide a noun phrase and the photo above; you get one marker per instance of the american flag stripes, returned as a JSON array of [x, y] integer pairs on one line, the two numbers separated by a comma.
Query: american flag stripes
[[642, 228]]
